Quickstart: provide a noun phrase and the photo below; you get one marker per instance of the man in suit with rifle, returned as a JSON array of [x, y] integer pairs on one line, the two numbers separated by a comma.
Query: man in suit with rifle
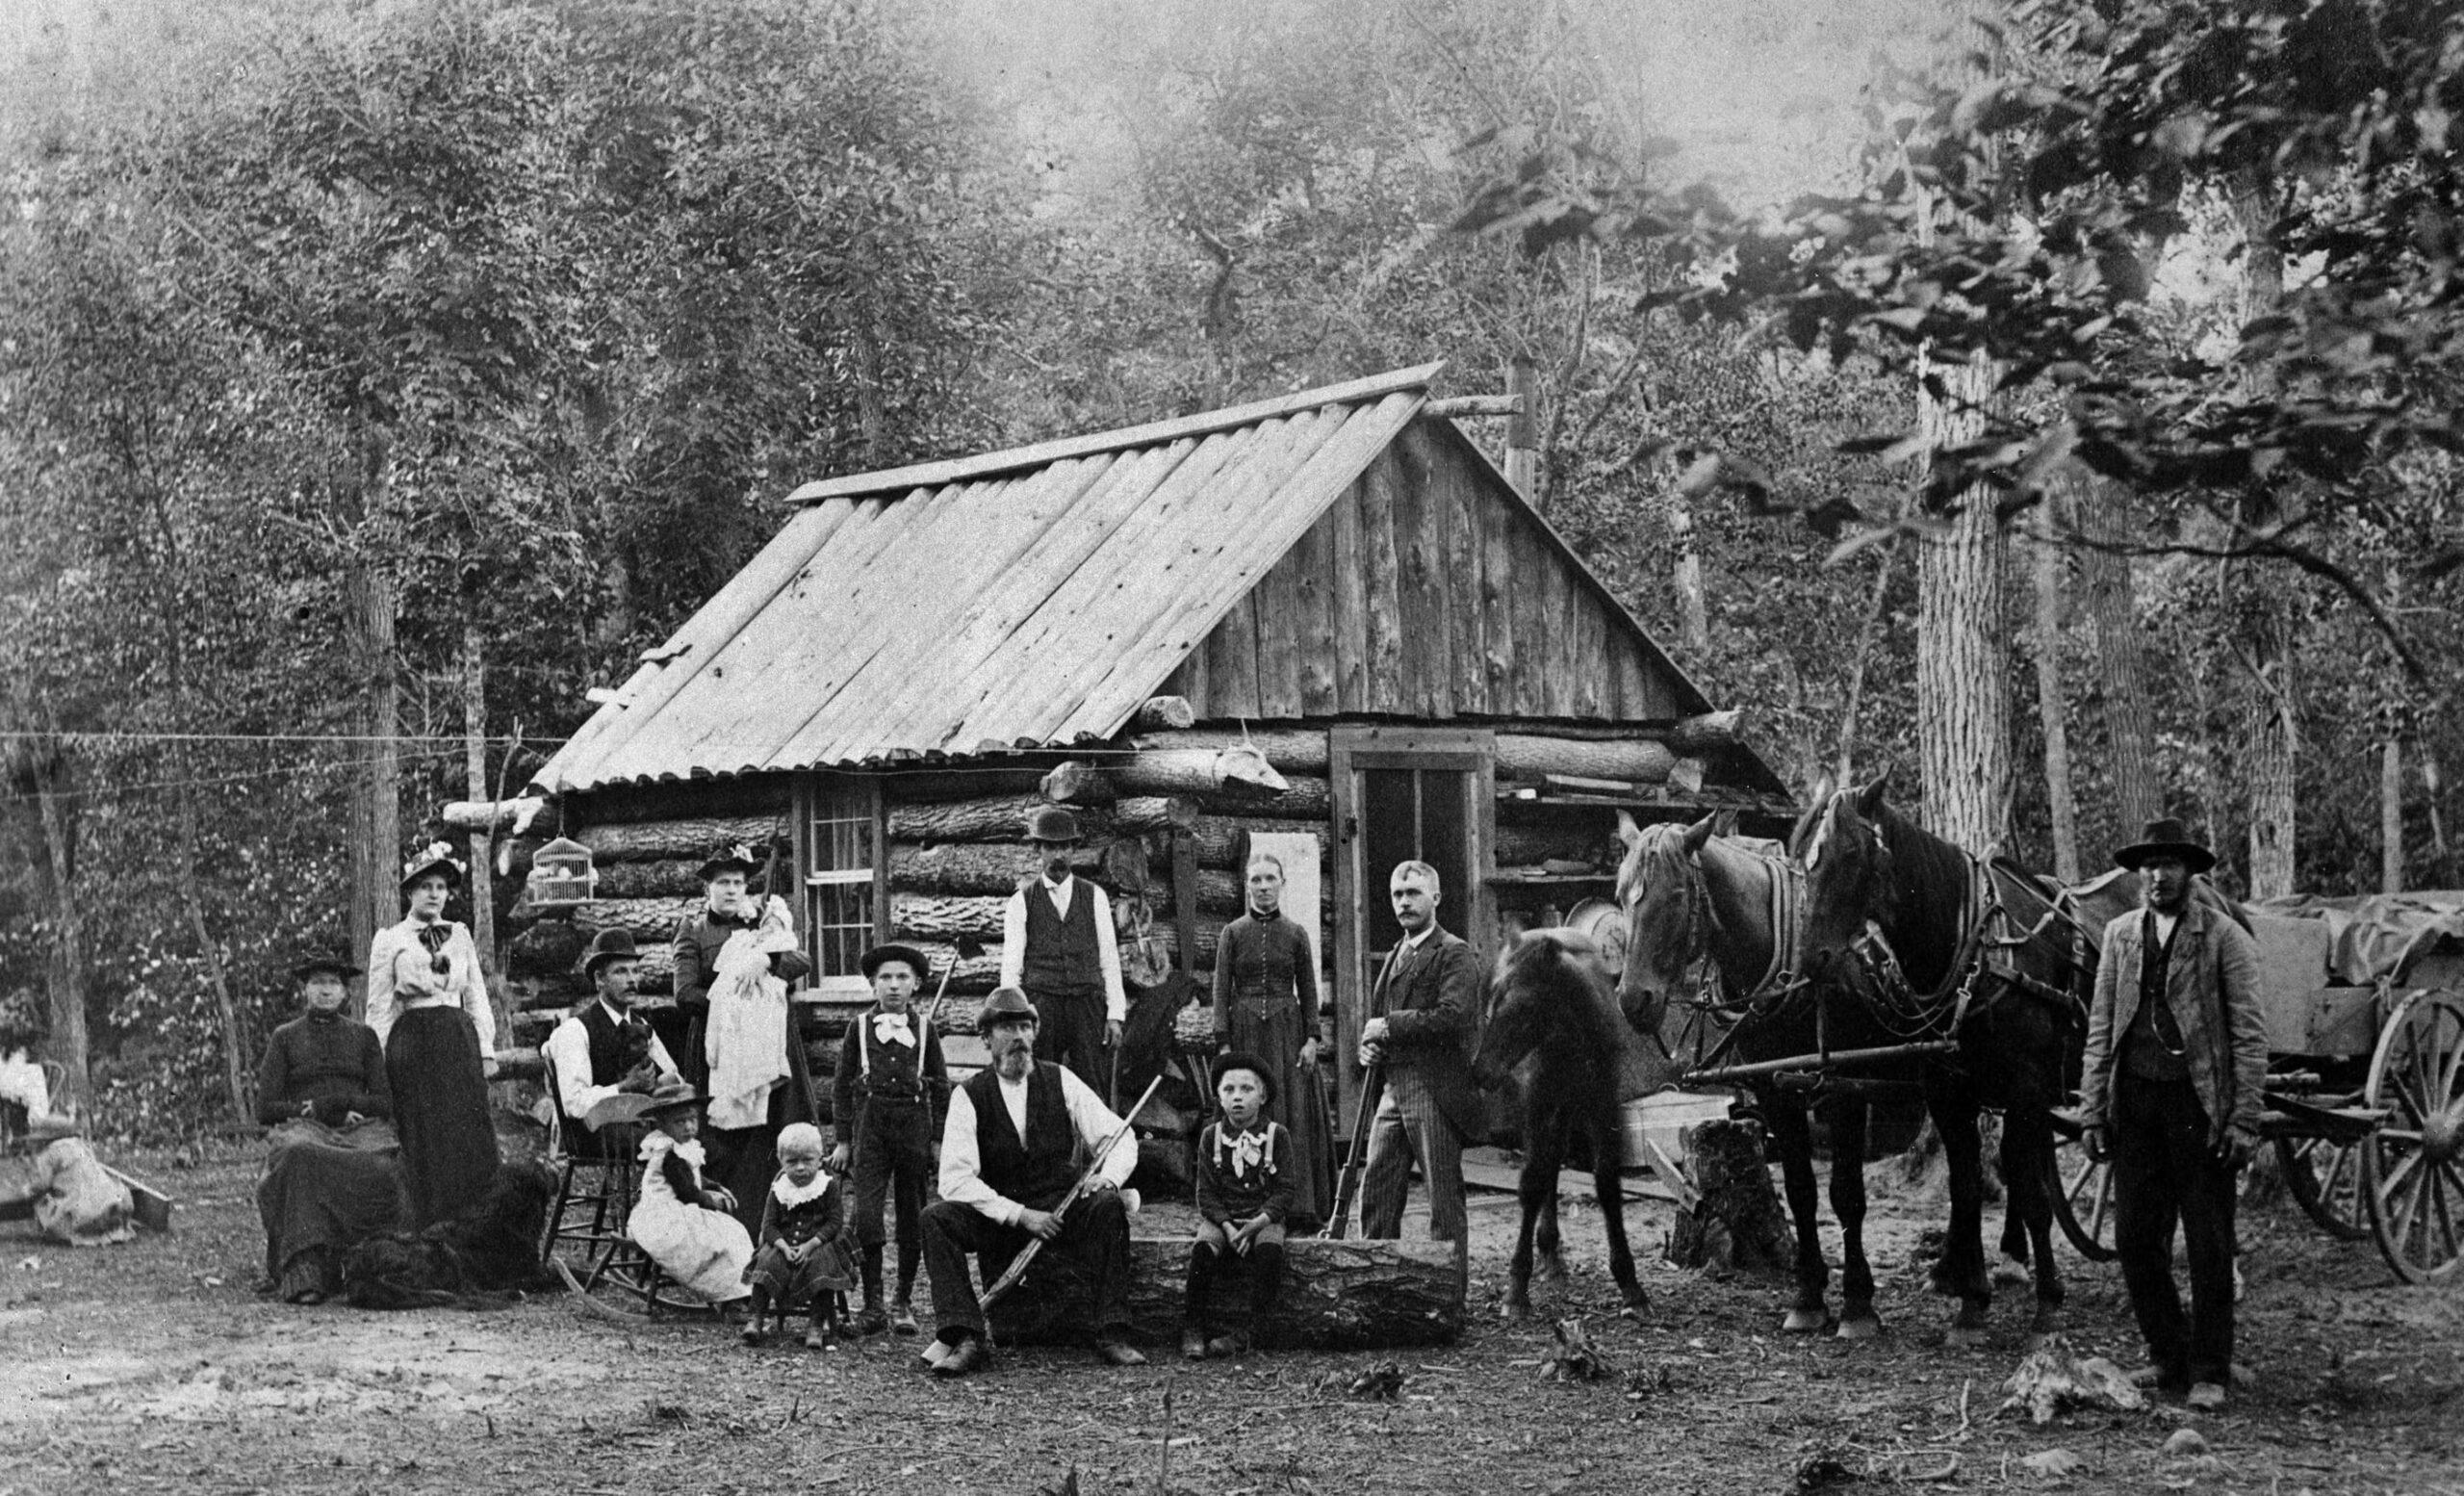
[[1424, 1016]]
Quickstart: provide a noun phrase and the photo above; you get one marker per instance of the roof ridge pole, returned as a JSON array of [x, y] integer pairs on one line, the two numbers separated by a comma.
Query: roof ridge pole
[[1523, 428]]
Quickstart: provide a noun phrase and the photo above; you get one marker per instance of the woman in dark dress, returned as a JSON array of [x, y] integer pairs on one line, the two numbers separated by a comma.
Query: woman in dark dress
[[331, 1179], [428, 1002], [1266, 1004]]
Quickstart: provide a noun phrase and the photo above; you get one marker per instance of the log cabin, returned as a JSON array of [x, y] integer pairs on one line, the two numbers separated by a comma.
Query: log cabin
[[1323, 623]]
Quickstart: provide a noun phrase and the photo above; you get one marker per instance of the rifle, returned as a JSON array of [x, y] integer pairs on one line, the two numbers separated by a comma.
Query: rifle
[[1017, 1268], [1373, 1085]]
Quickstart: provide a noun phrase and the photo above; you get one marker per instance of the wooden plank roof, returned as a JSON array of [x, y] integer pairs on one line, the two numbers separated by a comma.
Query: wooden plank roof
[[1022, 599]]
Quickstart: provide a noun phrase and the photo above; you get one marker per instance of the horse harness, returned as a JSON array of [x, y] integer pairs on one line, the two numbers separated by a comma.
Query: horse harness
[[1985, 967]]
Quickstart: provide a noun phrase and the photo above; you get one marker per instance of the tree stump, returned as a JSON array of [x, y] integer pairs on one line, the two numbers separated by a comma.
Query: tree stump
[[1738, 1223], [1337, 1296]]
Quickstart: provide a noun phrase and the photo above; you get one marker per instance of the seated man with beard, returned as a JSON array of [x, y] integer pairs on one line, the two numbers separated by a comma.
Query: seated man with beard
[[1010, 1152]]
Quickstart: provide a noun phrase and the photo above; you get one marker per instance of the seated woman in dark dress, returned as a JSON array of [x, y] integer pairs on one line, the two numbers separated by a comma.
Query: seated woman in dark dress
[[332, 1177]]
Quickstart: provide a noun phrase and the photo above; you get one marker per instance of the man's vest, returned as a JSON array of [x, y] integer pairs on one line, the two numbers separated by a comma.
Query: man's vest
[[1035, 1171], [608, 1045], [1063, 957]]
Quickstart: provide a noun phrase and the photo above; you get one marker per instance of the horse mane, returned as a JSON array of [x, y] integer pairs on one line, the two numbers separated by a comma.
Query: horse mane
[[1927, 924]]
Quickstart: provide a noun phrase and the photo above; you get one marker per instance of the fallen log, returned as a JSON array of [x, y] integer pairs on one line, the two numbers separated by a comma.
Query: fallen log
[[1294, 750], [1003, 818], [1079, 783], [669, 877], [946, 917], [1348, 1295], [639, 841], [1238, 775], [1524, 755], [520, 1064], [1711, 729], [972, 977], [983, 866], [652, 920], [1217, 839]]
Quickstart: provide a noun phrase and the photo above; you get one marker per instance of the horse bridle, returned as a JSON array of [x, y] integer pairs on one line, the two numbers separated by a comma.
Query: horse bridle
[[1780, 981]]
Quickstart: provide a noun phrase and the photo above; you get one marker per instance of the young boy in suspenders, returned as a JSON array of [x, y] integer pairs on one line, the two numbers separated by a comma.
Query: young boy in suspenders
[[892, 1089]]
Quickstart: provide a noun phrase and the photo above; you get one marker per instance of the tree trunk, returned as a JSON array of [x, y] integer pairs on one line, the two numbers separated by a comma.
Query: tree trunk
[[1003, 818], [237, 1076], [2045, 640], [2100, 510], [1693, 612], [1737, 1225], [2263, 622], [690, 838], [66, 969], [1962, 671], [2391, 816], [975, 866], [1844, 759], [1639, 760], [475, 754], [1337, 1296], [377, 797]]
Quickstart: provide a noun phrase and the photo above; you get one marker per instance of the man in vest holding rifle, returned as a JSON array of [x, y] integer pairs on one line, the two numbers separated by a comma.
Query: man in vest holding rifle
[[1059, 948], [1009, 1154]]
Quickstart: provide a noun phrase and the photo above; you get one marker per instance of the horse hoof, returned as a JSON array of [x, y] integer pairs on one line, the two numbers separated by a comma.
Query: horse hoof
[[1860, 1326], [1960, 1337], [1553, 1269], [1805, 1322], [1517, 1311]]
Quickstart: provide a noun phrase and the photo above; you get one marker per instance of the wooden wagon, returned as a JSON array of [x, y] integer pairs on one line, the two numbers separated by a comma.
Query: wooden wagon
[[2365, 1095]]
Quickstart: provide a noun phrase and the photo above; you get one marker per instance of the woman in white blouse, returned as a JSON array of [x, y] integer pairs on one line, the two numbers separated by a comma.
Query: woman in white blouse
[[429, 1003]]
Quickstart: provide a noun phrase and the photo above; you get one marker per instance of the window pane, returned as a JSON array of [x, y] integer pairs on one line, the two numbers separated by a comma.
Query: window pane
[[843, 847]]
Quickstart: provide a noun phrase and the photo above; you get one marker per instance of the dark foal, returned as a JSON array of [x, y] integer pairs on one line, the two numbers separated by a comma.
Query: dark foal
[[1550, 1004], [1688, 895], [1952, 923]]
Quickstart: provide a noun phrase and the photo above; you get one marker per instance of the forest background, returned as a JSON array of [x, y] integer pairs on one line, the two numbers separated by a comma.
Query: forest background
[[378, 375]]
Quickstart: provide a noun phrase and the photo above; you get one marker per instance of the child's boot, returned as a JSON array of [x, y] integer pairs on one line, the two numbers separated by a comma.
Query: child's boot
[[756, 1330], [1193, 1342], [902, 1313], [872, 1321], [822, 1333]]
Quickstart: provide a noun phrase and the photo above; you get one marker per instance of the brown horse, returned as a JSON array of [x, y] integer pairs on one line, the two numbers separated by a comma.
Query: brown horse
[[1688, 895], [1980, 955], [1550, 1004]]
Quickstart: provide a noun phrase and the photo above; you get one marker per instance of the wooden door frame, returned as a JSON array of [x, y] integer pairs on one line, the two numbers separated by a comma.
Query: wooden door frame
[[1471, 751]]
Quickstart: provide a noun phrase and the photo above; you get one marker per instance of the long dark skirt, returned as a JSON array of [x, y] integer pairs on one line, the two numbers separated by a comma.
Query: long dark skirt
[[325, 1190], [744, 1160], [1272, 1030], [440, 1110]]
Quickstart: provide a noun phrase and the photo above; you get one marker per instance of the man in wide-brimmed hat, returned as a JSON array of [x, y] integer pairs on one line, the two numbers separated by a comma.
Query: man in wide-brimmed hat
[[2177, 1052], [1059, 948], [1010, 1152], [605, 1048]]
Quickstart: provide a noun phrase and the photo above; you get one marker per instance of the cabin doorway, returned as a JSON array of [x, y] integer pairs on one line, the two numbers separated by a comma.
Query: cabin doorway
[[1402, 795]]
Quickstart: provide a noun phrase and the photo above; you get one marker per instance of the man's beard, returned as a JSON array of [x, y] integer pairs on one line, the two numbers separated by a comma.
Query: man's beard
[[1012, 1063]]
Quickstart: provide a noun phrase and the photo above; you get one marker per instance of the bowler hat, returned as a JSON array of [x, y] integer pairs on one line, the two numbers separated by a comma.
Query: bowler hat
[[605, 947], [1051, 823], [1006, 1004], [872, 961], [313, 962], [732, 854], [436, 857], [674, 1097], [2166, 837]]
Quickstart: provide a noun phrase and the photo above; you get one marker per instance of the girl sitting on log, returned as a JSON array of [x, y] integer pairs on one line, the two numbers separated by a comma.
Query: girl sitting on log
[[1245, 1182]]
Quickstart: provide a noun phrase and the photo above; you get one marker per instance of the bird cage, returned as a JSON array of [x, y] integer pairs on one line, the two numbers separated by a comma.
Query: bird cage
[[561, 876]]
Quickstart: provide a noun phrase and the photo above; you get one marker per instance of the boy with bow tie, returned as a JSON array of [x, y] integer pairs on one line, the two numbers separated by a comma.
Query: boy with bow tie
[[892, 1088], [1246, 1182]]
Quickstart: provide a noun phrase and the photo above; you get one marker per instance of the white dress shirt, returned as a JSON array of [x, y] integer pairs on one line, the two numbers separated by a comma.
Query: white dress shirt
[[569, 1048], [1013, 938], [961, 1169], [400, 975]]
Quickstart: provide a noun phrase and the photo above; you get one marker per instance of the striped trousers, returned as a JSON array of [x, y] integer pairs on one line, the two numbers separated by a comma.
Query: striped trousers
[[1408, 1129]]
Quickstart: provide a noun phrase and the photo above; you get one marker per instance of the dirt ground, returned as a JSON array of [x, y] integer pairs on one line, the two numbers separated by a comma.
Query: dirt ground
[[151, 1367]]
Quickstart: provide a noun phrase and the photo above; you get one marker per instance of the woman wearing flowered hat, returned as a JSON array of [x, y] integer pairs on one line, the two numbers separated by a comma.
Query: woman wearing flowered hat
[[428, 1002]]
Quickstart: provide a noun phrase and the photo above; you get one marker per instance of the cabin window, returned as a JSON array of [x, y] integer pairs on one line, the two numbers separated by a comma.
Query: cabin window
[[839, 831]]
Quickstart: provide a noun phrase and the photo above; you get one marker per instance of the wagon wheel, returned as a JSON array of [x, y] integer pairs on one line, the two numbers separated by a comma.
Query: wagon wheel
[[2083, 1199], [2412, 1167], [2324, 1179]]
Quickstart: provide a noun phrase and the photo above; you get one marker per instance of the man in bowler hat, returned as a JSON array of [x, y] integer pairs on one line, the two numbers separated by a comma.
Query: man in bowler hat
[[605, 1048], [1059, 948], [2177, 1052]]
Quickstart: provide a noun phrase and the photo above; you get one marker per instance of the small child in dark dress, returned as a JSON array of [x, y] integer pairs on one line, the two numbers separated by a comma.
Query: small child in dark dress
[[805, 1253], [1246, 1181]]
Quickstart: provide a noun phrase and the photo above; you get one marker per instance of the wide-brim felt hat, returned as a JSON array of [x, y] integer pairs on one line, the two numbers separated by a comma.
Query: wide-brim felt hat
[[2166, 837], [434, 858], [676, 1098], [734, 855], [872, 961], [608, 945], [310, 963], [1006, 1004], [1052, 823]]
